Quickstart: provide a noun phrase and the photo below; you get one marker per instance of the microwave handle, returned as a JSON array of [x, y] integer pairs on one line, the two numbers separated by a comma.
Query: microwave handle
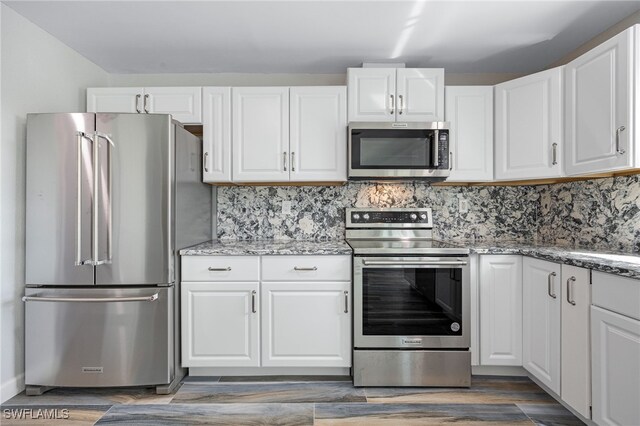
[[436, 161]]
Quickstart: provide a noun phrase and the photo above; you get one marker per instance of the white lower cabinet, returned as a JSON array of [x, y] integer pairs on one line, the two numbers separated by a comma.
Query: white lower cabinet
[[297, 315], [501, 310], [541, 304], [220, 324], [615, 345], [306, 324]]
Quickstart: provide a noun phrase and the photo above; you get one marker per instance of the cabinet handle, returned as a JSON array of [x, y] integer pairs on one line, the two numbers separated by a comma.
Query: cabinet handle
[[204, 162], [569, 286], [284, 160], [293, 161], [253, 302], [346, 302], [550, 284], [313, 268], [227, 269], [400, 104], [138, 96], [146, 107], [618, 149], [393, 105], [555, 154]]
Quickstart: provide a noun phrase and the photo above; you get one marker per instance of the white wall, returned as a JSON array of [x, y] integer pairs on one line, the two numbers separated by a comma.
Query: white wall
[[38, 74]]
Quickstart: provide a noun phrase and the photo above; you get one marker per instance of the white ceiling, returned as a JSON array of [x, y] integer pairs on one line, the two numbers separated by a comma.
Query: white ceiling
[[322, 36]]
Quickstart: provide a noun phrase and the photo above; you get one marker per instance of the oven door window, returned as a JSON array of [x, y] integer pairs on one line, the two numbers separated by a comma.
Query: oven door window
[[412, 302], [391, 149]]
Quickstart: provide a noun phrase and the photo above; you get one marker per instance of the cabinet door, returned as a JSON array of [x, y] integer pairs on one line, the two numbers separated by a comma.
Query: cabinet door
[[372, 94], [114, 99], [500, 310], [306, 324], [216, 138], [529, 127], [220, 324], [541, 304], [318, 133], [469, 111], [599, 102], [576, 340], [615, 368], [183, 103], [260, 134], [420, 94]]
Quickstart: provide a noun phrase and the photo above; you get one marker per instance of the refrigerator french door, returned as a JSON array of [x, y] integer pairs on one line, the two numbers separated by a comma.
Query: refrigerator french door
[[100, 246]]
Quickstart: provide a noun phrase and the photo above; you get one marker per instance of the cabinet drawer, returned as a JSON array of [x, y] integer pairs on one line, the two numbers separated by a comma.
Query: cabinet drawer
[[618, 294], [221, 268], [306, 268]]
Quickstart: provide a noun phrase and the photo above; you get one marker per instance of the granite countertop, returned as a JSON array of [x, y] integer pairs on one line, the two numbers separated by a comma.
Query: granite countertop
[[616, 262], [267, 247], [613, 261]]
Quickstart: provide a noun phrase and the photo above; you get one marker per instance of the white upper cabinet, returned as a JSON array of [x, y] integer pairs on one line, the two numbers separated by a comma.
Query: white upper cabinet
[[542, 298], [599, 107], [420, 94], [115, 99], [318, 137], [469, 111], [260, 134], [183, 103], [501, 310], [216, 138], [396, 94], [528, 127], [372, 94]]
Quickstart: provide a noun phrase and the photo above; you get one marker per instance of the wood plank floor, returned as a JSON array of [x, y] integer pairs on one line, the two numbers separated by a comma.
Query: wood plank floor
[[293, 400]]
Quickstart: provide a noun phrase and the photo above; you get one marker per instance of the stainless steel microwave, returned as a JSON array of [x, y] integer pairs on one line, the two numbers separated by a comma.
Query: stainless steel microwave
[[399, 151]]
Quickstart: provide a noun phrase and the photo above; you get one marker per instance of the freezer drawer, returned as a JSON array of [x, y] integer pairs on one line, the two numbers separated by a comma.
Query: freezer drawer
[[99, 337]]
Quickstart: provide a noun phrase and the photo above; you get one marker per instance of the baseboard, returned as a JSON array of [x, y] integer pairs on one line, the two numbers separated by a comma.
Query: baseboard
[[269, 371], [493, 370], [11, 387]]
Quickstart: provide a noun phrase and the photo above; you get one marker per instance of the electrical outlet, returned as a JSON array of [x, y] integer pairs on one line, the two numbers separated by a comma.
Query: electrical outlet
[[463, 205], [286, 207]]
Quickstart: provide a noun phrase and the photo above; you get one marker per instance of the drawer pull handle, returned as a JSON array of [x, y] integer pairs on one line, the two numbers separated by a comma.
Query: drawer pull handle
[[228, 268], [313, 268]]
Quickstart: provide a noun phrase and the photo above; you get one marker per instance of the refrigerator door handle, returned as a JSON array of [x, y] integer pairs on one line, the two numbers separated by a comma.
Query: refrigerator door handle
[[79, 260], [151, 298], [96, 210]]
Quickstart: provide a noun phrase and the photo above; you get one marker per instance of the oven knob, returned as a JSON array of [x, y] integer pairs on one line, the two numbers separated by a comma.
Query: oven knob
[[423, 216], [356, 216], [413, 216], [365, 216]]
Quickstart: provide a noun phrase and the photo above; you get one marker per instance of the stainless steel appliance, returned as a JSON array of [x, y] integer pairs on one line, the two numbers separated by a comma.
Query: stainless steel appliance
[[386, 151], [411, 301], [111, 198]]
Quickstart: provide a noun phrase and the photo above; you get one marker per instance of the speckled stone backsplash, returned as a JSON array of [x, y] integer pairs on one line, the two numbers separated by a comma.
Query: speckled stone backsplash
[[249, 212], [600, 213]]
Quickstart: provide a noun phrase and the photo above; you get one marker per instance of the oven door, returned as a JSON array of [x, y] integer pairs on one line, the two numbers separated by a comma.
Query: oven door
[[394, 153], [411, 302]]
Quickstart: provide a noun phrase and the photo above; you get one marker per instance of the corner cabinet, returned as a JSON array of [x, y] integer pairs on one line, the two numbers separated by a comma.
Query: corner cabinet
[[396, 94], [528, 127], [183, 103], [599, 107], [501, 310], [469, 111], [283, 134]]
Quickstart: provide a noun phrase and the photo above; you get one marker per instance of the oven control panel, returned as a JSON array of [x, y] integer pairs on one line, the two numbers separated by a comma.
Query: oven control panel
[[389, 218]]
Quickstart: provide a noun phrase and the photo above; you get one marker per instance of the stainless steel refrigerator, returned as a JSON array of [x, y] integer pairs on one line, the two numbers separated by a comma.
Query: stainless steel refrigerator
[[111, 198]]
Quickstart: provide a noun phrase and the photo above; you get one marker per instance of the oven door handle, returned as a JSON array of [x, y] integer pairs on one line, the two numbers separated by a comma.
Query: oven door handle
[[410, 263]]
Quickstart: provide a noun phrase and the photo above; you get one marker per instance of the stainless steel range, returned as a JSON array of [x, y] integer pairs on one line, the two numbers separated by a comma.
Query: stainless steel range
[[411, 301]]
